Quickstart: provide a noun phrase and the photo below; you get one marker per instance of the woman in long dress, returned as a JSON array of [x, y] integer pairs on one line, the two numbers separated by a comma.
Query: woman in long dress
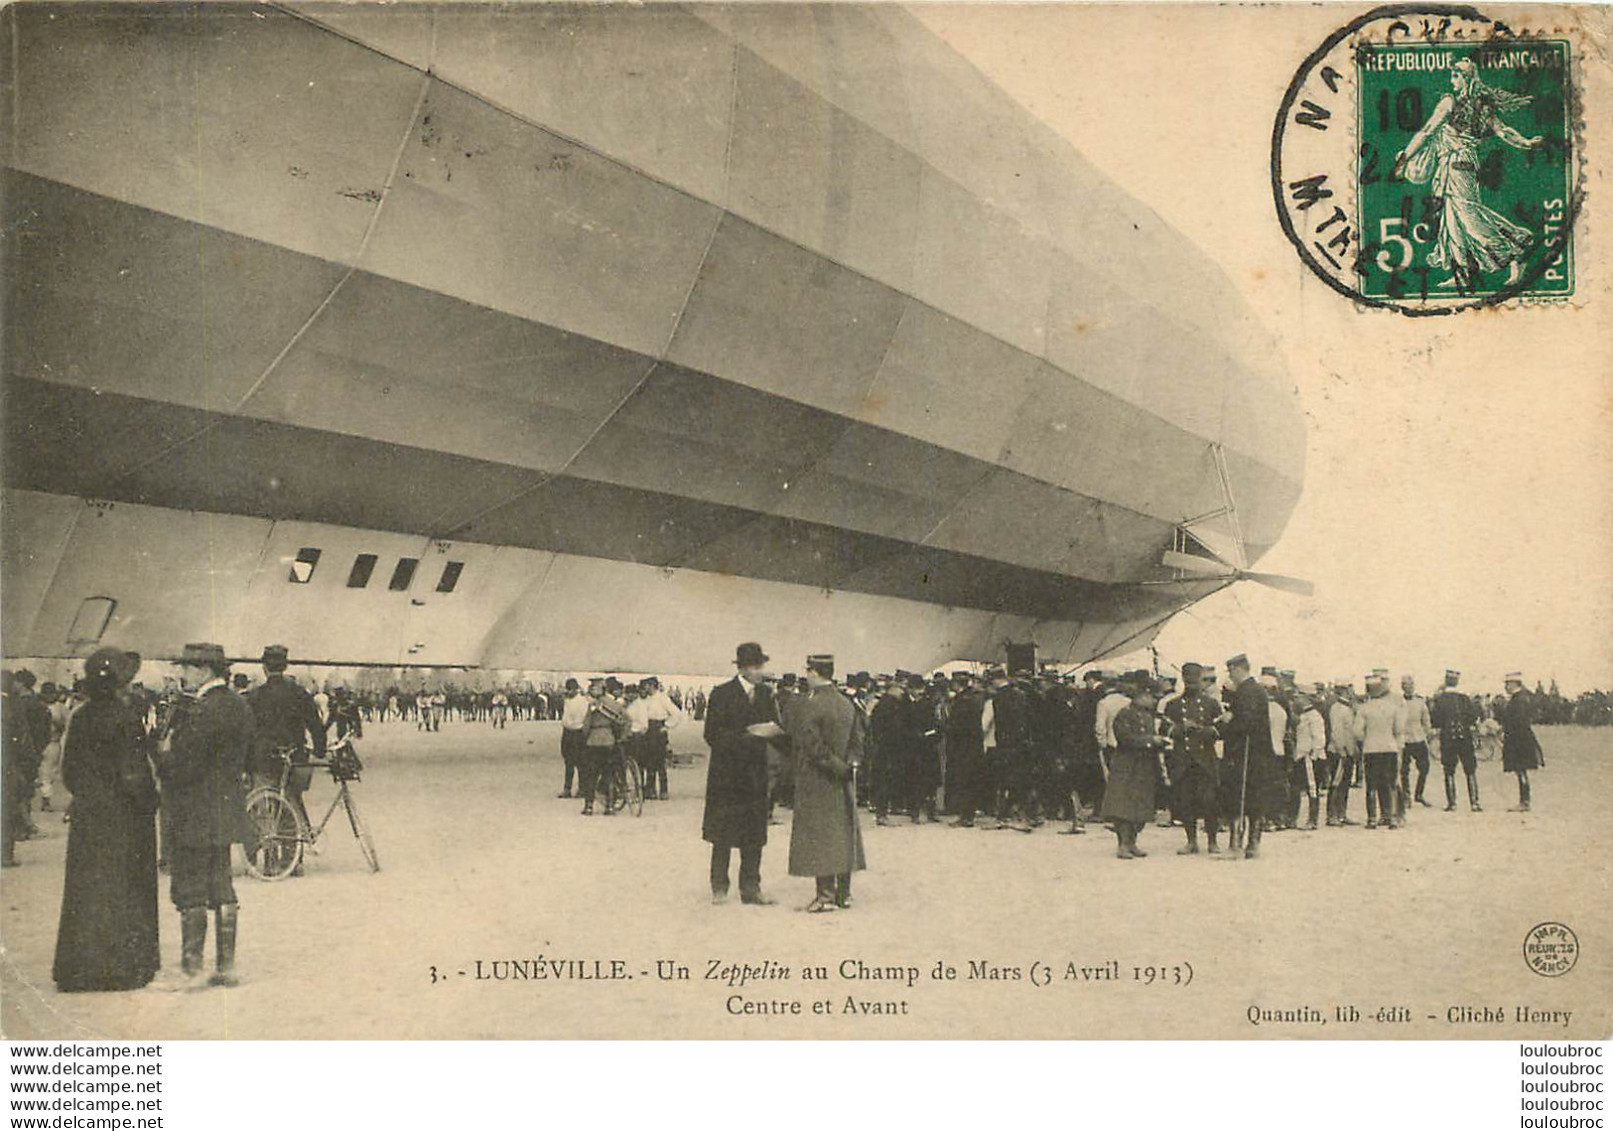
[[108, 934], [1473, 239]]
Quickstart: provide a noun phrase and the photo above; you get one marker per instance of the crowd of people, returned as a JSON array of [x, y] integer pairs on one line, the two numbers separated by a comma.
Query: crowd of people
[[999, 749], [1018, 749]]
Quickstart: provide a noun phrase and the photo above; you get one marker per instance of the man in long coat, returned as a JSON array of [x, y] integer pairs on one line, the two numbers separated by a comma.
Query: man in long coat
[[209, 743], [1520, 749], [825, 842], [1253, 786], [736, 776], [1195, 792]]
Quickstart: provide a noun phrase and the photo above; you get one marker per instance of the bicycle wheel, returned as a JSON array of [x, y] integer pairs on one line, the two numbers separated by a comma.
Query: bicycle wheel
[[361, 832], [633, 787], [278, 848]]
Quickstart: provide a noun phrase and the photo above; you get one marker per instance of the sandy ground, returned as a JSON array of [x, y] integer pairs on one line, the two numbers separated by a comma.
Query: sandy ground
[[482, 864]]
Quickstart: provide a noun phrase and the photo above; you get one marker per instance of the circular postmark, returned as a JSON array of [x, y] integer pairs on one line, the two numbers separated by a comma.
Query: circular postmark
[[1551, 949], [1424, 159]]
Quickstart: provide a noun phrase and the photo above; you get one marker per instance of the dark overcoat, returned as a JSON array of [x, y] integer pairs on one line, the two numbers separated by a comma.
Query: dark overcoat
[[107, 938], [1249, 730], [824, 837], [1195, 781], [210, 744], [1520, 749], [736, 775], [1133, 768]]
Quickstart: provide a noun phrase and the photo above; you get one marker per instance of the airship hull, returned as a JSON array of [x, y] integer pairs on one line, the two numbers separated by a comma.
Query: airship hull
[[762, 312]]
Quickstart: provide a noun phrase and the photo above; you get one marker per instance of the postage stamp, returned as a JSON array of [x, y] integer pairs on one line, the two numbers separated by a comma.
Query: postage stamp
[[1425, 159]]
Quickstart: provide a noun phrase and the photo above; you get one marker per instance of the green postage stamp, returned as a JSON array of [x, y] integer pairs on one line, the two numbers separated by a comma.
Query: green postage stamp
[[1426, 159]]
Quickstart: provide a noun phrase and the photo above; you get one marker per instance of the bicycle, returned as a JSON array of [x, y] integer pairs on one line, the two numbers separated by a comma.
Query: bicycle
[[281, 834], [627, 785]]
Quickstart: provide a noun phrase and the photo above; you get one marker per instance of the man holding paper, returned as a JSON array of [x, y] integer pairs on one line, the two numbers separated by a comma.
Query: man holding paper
[[740, 720]]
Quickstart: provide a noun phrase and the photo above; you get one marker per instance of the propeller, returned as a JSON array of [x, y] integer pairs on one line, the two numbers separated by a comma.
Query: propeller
[[1192, 563]]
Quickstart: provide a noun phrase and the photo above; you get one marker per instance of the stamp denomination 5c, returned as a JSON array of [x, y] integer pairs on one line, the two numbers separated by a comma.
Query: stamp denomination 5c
[[1425, 159]]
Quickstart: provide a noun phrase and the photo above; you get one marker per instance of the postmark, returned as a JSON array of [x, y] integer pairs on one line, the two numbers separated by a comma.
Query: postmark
[[1551, 949], [1425, 159]]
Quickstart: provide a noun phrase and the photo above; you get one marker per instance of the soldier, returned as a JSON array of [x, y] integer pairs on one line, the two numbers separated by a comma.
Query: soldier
[[664, 716], [1252, 788], [1342, 751], [286, 718], [17, 743], [1135, 769], [1520, 749], [1005, 723], [1086, 764], [606, 727], [966, 754], [924, 777], [1192, 764], [894, 738], [1415, 728], [209, 742], [1377, 731], [1310, 754], [573, 733], [1454, 718], [825, 842]]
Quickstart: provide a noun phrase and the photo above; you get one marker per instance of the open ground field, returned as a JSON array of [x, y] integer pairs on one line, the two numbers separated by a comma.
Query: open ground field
[[482, 864]]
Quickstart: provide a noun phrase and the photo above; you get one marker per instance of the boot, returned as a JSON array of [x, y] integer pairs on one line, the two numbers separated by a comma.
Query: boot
[[1136, 827], [1523, 796], [192, 942], [1315, 810], [224, 956], [1450, 790], [1253, 850], [1191, 848], [1473, 791], [1210, 834]]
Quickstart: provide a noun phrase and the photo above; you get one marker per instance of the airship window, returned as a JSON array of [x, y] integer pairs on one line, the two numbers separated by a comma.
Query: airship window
[[450, 576], [93, 616], [403, 574], [363, 566], [302, 570]]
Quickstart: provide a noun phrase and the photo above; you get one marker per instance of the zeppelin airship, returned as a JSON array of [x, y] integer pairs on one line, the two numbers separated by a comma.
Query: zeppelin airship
[[535, 337]]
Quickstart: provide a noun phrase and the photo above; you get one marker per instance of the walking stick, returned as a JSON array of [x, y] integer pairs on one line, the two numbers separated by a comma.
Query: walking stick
[[1241, 827]]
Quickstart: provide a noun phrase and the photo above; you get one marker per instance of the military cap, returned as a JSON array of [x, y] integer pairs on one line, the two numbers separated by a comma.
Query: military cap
[[275, 656], [1239, 661], [1513, 677], [1268, 669], [1190, 670], [1452, 677]]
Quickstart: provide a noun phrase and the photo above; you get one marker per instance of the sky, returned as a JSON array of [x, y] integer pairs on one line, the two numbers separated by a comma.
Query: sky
[[1458, 501]]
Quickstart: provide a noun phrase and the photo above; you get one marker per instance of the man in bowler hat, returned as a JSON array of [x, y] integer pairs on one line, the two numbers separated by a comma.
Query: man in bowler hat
[[739, 716]]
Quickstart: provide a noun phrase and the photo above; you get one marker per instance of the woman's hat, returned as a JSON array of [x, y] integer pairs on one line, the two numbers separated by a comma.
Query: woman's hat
[[108, 666]]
